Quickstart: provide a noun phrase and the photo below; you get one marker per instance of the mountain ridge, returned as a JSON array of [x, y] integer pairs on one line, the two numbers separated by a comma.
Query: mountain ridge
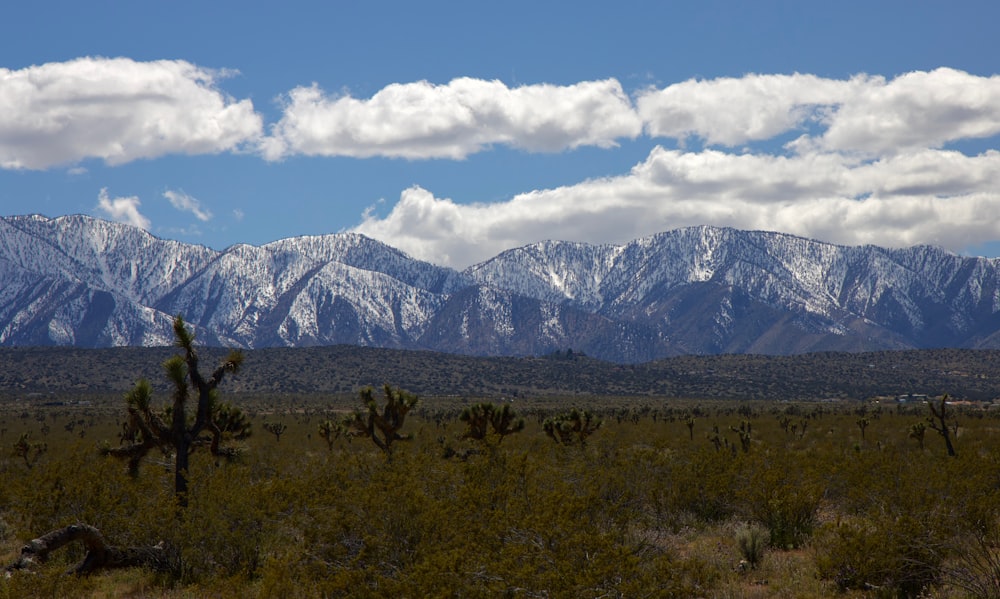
[[81, 281]]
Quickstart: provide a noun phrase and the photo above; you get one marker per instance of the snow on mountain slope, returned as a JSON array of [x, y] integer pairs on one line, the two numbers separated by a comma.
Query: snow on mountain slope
[[108, 256], [912, 287], [81, 281]]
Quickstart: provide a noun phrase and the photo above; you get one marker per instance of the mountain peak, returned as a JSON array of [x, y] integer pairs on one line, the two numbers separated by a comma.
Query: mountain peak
[[83, 281]]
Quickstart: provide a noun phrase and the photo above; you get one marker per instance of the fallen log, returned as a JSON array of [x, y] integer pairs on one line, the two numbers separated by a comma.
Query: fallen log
[[100, 555]]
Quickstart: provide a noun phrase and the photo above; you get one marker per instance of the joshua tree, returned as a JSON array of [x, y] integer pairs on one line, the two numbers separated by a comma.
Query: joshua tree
[[479, 417], [744, 431], [28, 451], [275, 428], [172, 429], [863, 424], [917, 432], [505, 421], [231, 421], [714, 438], [573, 426], [329, 431], [690, 424], [370, 423], [938, 421]]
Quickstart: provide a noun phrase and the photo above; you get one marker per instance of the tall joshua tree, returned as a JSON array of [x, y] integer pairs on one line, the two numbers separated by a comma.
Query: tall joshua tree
[[383, 428], [173, 429], [938, 421]]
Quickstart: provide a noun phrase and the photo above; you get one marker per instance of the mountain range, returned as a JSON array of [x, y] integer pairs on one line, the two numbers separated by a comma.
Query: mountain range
[[85, 282]]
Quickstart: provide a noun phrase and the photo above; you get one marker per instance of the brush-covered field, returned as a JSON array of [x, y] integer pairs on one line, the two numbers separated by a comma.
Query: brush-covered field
[[667, 498]]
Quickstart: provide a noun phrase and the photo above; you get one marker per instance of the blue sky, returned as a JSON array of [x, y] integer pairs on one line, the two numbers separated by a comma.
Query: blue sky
[[454, 130]]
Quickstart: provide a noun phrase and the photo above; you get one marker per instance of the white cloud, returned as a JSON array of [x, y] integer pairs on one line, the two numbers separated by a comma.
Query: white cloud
[[124, 210], [862, 114], [186, 203], [422, 120], [915, 110], [868, 166], [932, 196], [731, 111], [117, 110]]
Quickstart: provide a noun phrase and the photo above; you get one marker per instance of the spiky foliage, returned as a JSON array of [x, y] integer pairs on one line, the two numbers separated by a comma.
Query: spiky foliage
[[572, 427], [232, 422], [505, 421], [477, 418], [383, 428], [172, 430], [483, 416], [145, 428], [938, 421], [752, 540]]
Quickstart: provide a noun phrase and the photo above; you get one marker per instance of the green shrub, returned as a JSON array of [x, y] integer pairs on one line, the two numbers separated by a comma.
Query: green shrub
[[752, 540], [781, 491], [892, 557]]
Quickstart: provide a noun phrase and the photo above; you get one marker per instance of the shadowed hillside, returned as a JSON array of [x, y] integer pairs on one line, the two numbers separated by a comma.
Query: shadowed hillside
[[972, 374]]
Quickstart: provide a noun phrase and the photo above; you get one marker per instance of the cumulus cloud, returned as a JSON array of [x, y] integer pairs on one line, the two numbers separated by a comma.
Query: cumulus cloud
[[117, 110], [934, 196], [186, 203], [423, 120], [865, 114], [915, 110], [123, 210], [869, 163], [731, 111]]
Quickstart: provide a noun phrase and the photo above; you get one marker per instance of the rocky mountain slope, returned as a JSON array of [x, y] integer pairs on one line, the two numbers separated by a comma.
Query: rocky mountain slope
[[85, 282]]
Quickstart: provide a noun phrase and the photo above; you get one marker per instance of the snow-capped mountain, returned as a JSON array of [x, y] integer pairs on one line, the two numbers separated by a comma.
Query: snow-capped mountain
[[80, 281]]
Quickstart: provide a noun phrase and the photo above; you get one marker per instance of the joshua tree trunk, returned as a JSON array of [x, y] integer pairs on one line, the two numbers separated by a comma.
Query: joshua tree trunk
[[100, 555], [939, 422], [181, 471]]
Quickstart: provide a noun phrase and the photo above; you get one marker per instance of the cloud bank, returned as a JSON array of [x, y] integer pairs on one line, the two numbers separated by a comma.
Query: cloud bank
[[117, 110], [934, 196], [420, 120], [867, 163]]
